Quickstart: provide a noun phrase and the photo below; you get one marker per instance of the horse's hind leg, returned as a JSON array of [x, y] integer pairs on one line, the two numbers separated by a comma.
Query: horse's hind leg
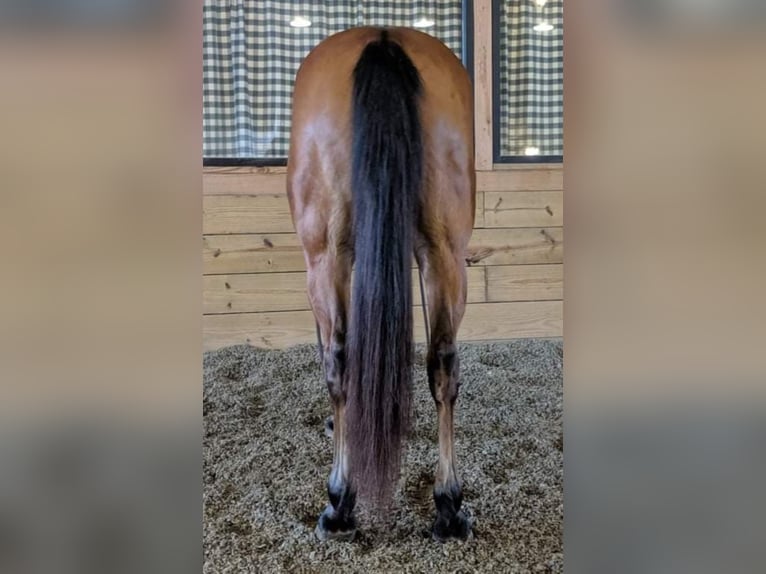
[[445, 277], [328, 288]]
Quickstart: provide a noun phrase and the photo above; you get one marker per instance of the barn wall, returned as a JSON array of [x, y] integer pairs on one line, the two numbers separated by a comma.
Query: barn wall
[[254, 273]]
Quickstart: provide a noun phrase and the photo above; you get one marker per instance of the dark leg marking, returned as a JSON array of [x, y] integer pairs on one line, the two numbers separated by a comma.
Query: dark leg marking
[[451, 522], [443, 378], [337, 521]]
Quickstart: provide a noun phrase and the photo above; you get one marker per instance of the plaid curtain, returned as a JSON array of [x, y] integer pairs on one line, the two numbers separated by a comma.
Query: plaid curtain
[[531, 77], [251, 55]]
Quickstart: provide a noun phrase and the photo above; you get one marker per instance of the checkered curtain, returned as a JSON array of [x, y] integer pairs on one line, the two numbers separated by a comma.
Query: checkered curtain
[[251, 55], [531, 77]]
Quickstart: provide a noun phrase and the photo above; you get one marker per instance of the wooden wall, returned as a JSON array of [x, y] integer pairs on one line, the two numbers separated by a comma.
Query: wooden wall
[[254, 284], [254, 274]]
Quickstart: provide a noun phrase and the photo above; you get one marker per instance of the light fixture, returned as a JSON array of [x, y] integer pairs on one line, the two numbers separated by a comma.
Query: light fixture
[[423, 22], [543, 27], [300, 22], [531, 150]]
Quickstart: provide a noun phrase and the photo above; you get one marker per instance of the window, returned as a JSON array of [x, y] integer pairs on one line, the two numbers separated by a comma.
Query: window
[[253, 48], [529, 73]]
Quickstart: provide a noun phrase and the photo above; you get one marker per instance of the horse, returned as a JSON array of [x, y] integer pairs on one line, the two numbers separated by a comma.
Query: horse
[[381, 169]]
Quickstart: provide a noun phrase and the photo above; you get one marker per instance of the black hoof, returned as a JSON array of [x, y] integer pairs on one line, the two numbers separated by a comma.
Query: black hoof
[[457, 527], [329, 426], [331, 527]]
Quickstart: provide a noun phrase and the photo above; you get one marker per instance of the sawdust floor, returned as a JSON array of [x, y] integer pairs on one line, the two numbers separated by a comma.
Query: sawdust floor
[[266, 461]]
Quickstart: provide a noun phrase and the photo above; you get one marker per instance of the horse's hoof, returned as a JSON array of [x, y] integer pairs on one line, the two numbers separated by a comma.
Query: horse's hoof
[[330, 528], [340, 535], [459, 527], [329, 426]]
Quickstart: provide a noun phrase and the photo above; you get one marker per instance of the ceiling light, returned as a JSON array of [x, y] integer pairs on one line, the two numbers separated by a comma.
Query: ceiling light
[[543, 27], [423, 22], [531, 150], [300, 22]]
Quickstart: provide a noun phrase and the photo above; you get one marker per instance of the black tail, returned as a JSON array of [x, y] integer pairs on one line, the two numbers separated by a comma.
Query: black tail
[[387, 170]]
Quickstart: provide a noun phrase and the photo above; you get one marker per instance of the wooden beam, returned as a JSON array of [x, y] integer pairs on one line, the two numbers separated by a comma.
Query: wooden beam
[[482, 82]]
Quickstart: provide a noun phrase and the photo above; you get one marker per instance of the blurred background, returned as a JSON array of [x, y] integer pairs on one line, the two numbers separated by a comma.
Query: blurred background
[[100, 345], [665, 188]]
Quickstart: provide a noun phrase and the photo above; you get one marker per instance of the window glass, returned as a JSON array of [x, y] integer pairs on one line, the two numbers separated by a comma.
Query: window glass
[[530, 86], [253, 48]]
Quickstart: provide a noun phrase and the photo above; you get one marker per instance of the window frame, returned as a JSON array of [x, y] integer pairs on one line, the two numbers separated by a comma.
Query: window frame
[[496, 156], [466, 56]]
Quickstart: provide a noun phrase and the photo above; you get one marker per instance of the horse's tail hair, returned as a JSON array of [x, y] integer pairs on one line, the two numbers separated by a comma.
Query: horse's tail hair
[[387, 172]]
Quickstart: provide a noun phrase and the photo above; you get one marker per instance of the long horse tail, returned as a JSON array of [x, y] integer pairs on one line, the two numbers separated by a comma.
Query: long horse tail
[[387, 172]]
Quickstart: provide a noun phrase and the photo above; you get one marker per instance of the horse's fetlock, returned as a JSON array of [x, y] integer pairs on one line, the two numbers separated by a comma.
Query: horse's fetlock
[[448, 499], [342, 497]]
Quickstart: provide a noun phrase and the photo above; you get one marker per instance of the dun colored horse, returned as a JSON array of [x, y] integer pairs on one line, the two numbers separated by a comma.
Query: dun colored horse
[[381, 169]]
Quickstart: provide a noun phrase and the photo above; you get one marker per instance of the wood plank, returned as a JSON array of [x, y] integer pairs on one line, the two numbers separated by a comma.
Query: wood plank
[[478, 218], [261, 292], [265, 330], [254, 292], [483, 321], [245, 214], [525, 282], [244, 183], [500, 246], [516, 178], [268, 212], [252, 253], [482, 82], [281, 252], [539, 179], [496, 321], [523, 209]]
